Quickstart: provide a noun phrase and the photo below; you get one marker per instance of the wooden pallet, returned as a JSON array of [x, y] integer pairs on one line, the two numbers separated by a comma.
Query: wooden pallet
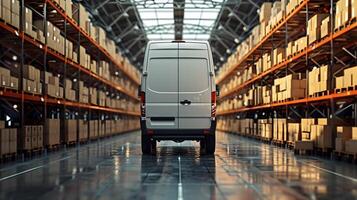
[[320, 94], [348, 23], [8, 156], [343, 154], [290, 144], [53, 147], [302, 152], [341, 90], [323, 151]]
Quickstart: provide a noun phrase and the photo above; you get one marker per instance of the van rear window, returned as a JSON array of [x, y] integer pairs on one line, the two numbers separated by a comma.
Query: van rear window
[[193, 76], [162, 75]]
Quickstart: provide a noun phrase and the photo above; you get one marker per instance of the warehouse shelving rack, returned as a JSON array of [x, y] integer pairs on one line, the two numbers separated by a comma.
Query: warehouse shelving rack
[[337, 50], [31, 51]]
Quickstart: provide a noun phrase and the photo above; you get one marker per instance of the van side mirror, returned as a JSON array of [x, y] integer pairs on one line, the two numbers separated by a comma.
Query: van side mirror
[[217, 91], [139, 90]]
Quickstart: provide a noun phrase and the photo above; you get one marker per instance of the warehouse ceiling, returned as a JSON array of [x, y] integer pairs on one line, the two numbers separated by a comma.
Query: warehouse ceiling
[[132, 23]]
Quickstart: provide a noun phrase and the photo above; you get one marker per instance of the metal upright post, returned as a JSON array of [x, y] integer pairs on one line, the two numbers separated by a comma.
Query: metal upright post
[[21, 139], [44, 73]]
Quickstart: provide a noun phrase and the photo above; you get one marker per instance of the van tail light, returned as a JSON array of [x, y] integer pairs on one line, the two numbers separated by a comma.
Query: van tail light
[[213, 105], [142, 106]]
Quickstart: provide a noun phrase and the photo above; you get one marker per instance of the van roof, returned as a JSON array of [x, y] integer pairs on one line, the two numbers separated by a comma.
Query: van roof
[[165, 44]]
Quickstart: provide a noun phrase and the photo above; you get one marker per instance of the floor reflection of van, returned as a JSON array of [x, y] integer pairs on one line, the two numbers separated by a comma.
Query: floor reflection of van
[[178, 94]]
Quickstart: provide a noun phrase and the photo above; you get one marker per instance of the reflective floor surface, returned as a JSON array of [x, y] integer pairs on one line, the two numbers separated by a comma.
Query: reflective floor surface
[[115, 169]]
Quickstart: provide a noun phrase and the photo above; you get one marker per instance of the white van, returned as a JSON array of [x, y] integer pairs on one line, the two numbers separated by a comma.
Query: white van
[[178, 94]]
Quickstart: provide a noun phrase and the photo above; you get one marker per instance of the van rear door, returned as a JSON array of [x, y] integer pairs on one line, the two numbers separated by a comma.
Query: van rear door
[[194, 86], [162, 86]]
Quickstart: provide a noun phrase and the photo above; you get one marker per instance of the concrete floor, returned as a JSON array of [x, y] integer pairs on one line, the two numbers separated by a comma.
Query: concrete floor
[[115, 169]]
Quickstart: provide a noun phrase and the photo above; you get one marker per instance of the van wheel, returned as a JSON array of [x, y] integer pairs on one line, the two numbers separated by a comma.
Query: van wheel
[[208, 145], [148, 146]]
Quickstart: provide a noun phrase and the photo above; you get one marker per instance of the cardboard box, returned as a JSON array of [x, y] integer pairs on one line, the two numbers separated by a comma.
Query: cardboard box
[[70, 130], [325, 27], [52, 133], [340, 144], [351, 146], [304, 145], [34, 136], [344, 132], [4, 142], [354, 133]]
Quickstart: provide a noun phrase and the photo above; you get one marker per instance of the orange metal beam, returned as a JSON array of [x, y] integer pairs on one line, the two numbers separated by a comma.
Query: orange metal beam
[[91, 40], [348, 94], [54, 101]]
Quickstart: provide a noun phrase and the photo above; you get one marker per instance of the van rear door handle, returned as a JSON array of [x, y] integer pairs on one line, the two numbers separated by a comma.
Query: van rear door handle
[[185, 102]]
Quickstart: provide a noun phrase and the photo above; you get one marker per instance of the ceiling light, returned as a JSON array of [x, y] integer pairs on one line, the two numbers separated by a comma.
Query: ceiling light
[[230, 14], [53, 11], [221, 58], [15, 106], [109, 28], [75, 80], [236, 40], [116, 73], [136, 27], [245, 28], [220, 27], [258, 11], [14, 57], [228, 51]]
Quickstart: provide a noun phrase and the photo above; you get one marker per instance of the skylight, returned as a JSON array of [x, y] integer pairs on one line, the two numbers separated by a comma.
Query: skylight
[[158, 18]]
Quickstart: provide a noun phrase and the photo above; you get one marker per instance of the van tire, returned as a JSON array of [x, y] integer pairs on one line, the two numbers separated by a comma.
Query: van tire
[[208, 145], [148, 146]]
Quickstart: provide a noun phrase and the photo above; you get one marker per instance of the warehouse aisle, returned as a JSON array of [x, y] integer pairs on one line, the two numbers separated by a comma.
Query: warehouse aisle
[[115, 169]]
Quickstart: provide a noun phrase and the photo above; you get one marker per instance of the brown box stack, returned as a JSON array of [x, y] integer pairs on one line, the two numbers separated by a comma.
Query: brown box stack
[[70, 130], [52, 133]]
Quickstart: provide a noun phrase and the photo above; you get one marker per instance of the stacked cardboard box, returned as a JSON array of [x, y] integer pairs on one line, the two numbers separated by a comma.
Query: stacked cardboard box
[[306, 124], [83, 93], [32, 81], [293, 132], [70, 132], [280, 129], [104, 70], [93, 129], [52, 133], [318, 80], [348, 79], [83, 130], [325, 27], [345, 10], [321, 133], [52, 86], [101, 126], [344, 133], [70, 94], [10, 12], [289, 87], [8, 81], [8, 139], [292, 5], [93, 96], [33, 137], [266, 128], [351, 145], [102, 98], [314, 27]]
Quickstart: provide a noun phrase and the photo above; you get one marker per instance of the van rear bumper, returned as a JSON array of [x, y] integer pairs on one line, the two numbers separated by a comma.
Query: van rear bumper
[[177, 134]]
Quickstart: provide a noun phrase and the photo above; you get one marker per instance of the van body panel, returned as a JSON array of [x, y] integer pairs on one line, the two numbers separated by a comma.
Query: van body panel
[[178, 81]]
